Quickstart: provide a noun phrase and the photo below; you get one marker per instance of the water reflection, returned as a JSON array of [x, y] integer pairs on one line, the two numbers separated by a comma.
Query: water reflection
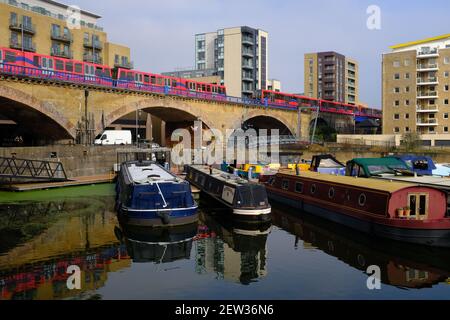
[[402, 265], [232, 250], [157, 245]]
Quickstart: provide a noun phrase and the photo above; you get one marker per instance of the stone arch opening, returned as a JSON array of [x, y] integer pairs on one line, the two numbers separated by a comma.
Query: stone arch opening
[[323, 131], [268, 123], [31, 124]]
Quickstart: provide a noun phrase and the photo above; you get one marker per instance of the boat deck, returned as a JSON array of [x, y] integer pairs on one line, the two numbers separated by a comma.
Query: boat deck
[[424, 180], [149, 174]]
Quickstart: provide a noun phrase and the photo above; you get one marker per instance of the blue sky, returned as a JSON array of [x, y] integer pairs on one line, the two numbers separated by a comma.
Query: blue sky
[[161, 33]]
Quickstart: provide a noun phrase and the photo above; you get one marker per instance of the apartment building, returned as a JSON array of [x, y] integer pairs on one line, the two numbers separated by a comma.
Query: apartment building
[[238, 56], [416, 80], [42, 26], [331, 76], [274, 85]]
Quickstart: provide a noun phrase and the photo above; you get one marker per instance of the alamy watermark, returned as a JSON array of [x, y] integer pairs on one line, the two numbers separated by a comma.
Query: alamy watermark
[[374, 280], [74, 280], [374, 19], [214, 147]]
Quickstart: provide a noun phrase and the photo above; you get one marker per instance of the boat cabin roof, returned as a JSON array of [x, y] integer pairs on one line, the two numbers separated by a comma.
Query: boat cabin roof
[[148, 173], [373, 184], [223, 176], [376, 166], [434, 181]]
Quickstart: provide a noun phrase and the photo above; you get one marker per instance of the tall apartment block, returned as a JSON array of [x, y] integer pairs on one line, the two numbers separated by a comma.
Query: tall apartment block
[[331, 76], [416, 80], [238, 56], [41, 26]]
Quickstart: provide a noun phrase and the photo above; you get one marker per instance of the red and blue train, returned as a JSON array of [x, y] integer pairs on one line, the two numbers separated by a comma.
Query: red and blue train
[[43, 66], [49, 67]]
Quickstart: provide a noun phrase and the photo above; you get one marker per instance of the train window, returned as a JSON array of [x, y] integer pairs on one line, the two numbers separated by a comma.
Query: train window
[[174, 83], [166, 82], [130, 76], [35, 60], [153, 80], [59, 65], [140, 78], [10, 56], [78, 68], [208, 88], [146, 78], [107, 73], [159, 81], [50, 63], [214, 89], [1, 55], [203, 88], [86, 69], [69, 66], [99, 72]]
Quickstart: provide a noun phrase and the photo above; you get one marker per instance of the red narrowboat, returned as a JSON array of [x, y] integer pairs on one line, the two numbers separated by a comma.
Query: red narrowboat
[[399, 211]]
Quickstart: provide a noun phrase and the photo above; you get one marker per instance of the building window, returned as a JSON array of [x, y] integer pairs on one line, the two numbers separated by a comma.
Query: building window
[[431, 102], [446, 74], [446, 87], [445, 115], [396, 103], [407, 75], [396, 64], [396, 116], [406, 102], [447, 60], [397, 76], [406, 89], [431, 130], [407, 116], [396, 129], [13, 18], [116, 59], [407, 129], [446, 129], [396, 90], [407, 62], [446, 101]]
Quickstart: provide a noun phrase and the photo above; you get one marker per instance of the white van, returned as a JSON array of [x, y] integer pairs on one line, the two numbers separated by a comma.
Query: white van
[[114, 137]]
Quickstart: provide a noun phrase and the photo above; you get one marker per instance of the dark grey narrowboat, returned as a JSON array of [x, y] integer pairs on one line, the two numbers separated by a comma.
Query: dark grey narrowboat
[[246, 199]]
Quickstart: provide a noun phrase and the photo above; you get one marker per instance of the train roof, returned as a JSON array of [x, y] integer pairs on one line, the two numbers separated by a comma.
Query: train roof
[[366, 183]]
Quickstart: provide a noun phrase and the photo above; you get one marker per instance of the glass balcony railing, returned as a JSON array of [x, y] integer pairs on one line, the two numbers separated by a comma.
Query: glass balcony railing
[[68, 54], [92, 58], [64, 37], [93, 44], [26, 27], [124, 64], [25, 46]]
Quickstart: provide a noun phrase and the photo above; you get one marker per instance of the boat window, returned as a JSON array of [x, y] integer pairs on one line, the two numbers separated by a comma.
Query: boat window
[[313, 189], [331, 193], [201, 180], [272, 181], [413, 205], [418, 205], [362, 200], [285, 185], [191, 175], [299, 187], [423, 205]]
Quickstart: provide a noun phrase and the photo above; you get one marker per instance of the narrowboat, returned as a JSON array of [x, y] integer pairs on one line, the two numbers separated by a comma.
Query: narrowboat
[[149, 195], [442, 170], [422, 165], [245, 199], [389, 209]]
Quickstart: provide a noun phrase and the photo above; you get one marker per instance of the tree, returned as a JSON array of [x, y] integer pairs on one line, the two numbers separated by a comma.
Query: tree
[[411, 141]]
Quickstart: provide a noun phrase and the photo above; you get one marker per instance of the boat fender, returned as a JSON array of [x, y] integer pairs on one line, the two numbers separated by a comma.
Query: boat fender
[[165, 217]]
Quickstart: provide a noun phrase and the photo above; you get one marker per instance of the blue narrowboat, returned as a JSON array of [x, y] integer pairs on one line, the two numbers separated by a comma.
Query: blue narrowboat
[[149, 195]]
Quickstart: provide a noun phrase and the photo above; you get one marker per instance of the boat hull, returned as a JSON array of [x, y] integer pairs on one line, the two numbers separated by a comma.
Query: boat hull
[[428, 237], [158, 218]]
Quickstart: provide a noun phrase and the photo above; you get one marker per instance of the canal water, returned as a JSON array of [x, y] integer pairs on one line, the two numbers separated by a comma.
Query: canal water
[[295, 257]]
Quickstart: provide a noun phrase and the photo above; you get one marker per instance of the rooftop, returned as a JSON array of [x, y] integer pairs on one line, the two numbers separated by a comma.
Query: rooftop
[[417, 42]]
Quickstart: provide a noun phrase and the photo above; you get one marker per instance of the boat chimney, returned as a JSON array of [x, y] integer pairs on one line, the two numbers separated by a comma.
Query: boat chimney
[[297, 169]]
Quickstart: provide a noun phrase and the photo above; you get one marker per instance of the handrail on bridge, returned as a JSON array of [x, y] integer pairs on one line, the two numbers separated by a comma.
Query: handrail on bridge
[[38, 73], [14, 168]]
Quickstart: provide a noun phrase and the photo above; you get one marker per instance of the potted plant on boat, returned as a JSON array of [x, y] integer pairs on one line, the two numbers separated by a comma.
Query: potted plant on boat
[[400, 212], [407, 211]]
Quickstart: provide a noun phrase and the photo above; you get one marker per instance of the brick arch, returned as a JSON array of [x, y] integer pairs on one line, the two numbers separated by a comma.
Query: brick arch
[[152, 103], [258, 113], [45, 108]]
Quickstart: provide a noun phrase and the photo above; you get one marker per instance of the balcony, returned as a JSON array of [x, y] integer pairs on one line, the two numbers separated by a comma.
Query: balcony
[[124, 65], [247, 90], [427, 122], [93, 44], [27, 28], [427, 95], [249, 41], [68, 54], [92, 58], [427, 81], [425, 54], [427, 109], [427, 67], [66, 37], [247, 53], [247, 66], [16, 44]]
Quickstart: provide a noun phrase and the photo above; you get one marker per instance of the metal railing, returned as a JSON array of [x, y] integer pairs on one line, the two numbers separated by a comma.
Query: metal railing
[[51, 75], [428, 52], [68, 54], [427, 80], [26, 27], [125, 65], [65, 37], [92, 58], [93, 44], [13, 168], [19, 45]]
